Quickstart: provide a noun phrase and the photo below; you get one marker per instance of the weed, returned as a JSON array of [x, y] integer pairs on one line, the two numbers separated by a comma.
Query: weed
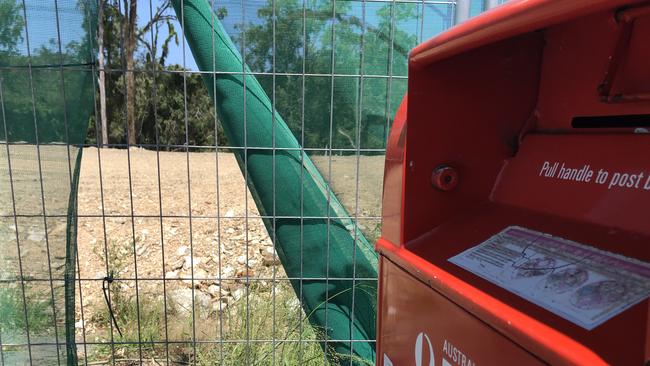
[[262, 317], [265, 327], [12, 312]]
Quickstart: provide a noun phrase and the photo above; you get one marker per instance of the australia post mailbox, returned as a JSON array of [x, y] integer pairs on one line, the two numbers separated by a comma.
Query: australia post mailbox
[[517, 192]]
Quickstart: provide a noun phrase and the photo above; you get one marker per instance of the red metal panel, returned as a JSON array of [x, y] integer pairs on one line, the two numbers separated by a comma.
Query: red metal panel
[[576, 65], [494, 101], [411, 310], [548, 336], [621, 200], [505, 315], [506, 21], [468, 115], [392, 203]]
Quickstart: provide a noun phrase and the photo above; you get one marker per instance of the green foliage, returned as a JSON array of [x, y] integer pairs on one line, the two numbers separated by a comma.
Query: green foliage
[[49, 96], [53, 96], [257, 322], [126, 313], [253, 319], [126, 309], [265, 313], [161, 97], [314, 49], [11, 27], [12, 312], [161, 104]]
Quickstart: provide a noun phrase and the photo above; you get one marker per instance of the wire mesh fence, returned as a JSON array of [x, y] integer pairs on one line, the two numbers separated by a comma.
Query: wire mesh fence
[[161, 243]]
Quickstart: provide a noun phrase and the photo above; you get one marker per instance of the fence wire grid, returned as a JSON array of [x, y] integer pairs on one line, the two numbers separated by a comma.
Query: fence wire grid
[[174, 263]]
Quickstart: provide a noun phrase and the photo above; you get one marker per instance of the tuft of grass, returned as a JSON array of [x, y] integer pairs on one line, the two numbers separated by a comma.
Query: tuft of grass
[[265, 329], [125, 309], [12, 313], [146, 328], [296, 341]]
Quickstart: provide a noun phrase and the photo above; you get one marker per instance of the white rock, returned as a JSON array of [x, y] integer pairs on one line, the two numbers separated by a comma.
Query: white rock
[[227, 271], [241, 259], [238, 294], [200, 274], [36, 236], [178, 264], [182, 250], [252, 263], [218, 306], [187, 279], [171, 275], [230, 231], [188, 262], [140, 250], [229, 213], [269, 258], [181, 302], [79, 324], [293, 303], [214, 290]]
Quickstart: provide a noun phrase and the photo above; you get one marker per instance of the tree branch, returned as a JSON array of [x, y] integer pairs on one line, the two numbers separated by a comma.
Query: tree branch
[[159, 16]]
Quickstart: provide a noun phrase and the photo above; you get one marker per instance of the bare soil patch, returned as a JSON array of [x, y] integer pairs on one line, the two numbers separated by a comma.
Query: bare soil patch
[[148, 209]]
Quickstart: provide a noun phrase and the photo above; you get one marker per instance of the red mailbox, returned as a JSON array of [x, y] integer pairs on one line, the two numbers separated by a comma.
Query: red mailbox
[[517, 192]]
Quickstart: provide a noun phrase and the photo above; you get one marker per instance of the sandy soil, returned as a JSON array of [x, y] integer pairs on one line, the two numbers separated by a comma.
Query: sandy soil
[[162, 228], [129, 225]]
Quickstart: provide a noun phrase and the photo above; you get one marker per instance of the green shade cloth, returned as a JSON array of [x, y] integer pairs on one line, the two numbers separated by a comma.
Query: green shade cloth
[[46, 95], [286, 184]]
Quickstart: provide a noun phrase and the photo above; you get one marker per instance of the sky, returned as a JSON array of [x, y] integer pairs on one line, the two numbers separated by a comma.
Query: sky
[[176, 51], [234, 7], [41, 31]]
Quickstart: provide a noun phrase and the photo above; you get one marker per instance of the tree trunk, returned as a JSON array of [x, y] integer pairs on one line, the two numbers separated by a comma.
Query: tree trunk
[[129, 48], [102, 75]]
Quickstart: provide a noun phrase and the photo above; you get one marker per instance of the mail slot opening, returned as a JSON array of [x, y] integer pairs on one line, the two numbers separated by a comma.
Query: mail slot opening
[[625, 121]]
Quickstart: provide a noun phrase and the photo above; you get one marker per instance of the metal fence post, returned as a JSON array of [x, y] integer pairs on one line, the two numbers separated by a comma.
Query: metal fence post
[[462, 11], [489, 4]]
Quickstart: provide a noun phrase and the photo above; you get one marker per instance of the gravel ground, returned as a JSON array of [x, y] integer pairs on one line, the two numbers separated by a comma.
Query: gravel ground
[[204, 247], [129, 225]]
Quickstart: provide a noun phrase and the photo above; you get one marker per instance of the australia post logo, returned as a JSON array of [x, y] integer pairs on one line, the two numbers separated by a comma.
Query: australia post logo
[[423, 351], [424, 355]]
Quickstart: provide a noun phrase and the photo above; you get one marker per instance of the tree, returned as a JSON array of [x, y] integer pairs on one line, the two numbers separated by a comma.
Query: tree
[[157, 97], [43, 95], [124, 15], [167, 111], [102, 74], [10, 29], [346, 32], [129, 25]]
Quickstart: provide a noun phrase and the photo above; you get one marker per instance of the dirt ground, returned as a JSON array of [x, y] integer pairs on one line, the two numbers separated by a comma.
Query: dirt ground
[[202, 241], [218, 238]]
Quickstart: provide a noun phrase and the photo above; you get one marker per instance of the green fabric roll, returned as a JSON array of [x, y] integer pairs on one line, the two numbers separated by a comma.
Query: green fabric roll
[[311, 250]]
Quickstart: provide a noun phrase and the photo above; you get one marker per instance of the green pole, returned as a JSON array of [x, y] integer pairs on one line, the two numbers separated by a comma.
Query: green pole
[[288, 185]]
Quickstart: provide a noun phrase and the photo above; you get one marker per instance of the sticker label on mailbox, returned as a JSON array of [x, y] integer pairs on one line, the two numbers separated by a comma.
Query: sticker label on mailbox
[[582, 284]]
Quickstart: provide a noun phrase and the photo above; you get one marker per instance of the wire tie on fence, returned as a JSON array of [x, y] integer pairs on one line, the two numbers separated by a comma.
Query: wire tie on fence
[[106, 286]]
